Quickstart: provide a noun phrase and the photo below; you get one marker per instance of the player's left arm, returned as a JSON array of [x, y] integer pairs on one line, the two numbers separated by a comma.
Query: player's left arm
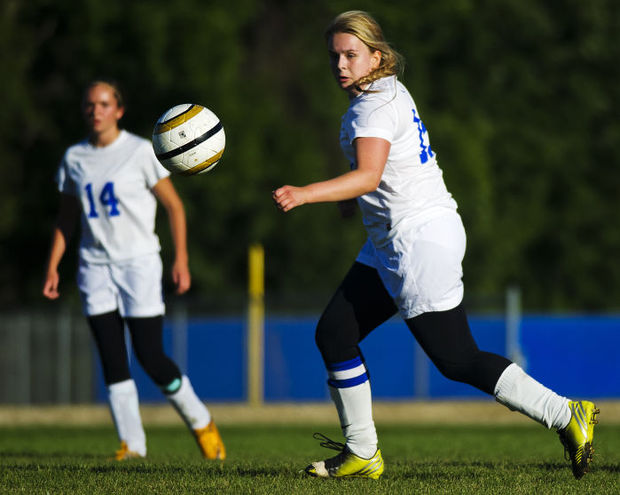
[[371, 156], [167, 195]]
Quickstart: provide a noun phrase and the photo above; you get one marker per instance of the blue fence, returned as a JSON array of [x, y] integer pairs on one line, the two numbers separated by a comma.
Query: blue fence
[[574, 355]]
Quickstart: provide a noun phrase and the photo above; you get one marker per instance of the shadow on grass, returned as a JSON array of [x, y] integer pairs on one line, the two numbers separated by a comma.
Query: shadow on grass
[[450, 470], [422, 472], [609, 468], [45, 456], [266, 471], [112, 468]]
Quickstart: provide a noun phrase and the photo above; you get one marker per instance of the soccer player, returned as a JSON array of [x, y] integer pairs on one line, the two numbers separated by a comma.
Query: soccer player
[[411, 262], [112, 182]]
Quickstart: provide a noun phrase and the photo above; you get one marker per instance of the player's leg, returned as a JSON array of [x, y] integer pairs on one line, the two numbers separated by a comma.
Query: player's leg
[[446, 338], [99, 302], [109, 334], [146, 337], [139, 283], [433, 312], [430, 304], [359, 305], [146, 334]]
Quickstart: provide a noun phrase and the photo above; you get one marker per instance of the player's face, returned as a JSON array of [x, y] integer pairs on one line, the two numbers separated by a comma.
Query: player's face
[[350, 59], [101, 109]]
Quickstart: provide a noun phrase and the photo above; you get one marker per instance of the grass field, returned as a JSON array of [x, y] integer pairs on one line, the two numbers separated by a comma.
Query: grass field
[[263, 458]]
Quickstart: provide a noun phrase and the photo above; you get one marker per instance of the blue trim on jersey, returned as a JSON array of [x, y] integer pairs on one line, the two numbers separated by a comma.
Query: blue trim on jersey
[[345, 365], [349, 382]]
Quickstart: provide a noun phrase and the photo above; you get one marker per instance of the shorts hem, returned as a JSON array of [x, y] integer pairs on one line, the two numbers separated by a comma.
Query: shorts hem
[[88, 312], [430, 308], [146, 312]]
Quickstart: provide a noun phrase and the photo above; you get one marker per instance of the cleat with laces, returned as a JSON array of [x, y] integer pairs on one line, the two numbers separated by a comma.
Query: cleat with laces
[[578, 435], [123, 453], [346, 464], [210, 442]]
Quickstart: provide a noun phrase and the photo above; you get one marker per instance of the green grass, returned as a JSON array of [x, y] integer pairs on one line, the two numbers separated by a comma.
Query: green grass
[[261, 460]]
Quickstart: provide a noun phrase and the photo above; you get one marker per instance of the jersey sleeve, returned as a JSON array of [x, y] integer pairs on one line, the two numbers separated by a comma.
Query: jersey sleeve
[[153, 170], [374, 119], [63, 179]]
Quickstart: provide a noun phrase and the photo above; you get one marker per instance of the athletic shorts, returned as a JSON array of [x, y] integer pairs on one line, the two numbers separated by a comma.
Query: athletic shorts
[[421, 266], [131, 286]]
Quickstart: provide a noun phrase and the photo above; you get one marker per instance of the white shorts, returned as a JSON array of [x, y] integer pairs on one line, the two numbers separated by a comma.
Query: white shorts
[[132, 286], [421, 267]]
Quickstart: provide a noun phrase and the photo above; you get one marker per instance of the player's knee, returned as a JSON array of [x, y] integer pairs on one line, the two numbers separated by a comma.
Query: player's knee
[[465, 370], [477, 370], [459, 372], [334, 342], [323, 337]]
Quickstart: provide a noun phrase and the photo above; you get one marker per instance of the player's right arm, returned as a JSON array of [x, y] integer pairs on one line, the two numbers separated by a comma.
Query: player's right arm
[[63, 228], [371, 155]]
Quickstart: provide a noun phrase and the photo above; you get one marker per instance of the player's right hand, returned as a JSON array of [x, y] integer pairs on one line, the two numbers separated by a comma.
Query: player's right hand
[[50, 286], [288, 197], [181, 277]]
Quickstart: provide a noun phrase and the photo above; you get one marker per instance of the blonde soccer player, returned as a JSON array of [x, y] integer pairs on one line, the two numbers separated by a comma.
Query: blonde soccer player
[[111, 182], [410, 264]]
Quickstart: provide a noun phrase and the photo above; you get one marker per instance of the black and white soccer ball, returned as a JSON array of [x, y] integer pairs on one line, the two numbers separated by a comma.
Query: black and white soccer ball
[[189, 139]]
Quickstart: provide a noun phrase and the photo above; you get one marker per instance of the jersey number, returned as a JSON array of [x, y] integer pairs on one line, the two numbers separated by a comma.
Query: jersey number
[[106, 197], [425, 150]]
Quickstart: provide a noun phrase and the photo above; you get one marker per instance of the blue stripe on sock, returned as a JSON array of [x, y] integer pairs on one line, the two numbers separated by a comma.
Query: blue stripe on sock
[[349, 382], [345, 365]]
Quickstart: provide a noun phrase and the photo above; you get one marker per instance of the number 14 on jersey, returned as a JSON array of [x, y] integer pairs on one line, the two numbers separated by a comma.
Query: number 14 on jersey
[[106, 198]]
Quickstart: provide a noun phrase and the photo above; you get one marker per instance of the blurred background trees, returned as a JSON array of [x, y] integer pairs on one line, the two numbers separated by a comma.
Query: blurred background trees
[[521, 99]]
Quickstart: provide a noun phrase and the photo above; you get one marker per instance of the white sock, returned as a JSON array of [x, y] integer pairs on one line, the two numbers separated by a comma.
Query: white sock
[[354, 406], [189, 406], [520, 392], [123, 399]]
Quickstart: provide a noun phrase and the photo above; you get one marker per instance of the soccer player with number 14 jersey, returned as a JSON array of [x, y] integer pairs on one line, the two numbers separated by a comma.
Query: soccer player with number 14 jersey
[[111, 182]]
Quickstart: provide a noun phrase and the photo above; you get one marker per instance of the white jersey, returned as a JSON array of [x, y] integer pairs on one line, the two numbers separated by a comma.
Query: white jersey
[[412, 189], [416, 240], [113, 185]]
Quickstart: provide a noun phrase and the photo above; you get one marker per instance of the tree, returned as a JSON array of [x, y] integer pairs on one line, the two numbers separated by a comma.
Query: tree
[[520, 98]]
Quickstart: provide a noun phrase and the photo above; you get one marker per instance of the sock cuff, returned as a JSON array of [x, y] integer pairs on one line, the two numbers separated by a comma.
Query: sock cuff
[[174, 386], [347, 374], [124, 387], [183, 384], [345, 365], [506, 381]]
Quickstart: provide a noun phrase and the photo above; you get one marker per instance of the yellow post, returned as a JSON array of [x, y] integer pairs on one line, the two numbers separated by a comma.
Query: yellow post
[[256, 323]]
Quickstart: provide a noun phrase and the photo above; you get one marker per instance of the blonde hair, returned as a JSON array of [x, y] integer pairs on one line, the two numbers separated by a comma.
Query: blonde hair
[[363, 26]]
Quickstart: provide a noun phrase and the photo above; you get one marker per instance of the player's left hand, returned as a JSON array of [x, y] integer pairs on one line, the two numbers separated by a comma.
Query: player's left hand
[[181, 277]]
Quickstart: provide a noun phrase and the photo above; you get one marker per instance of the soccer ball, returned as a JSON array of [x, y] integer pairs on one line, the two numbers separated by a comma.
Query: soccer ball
[[188, 139]]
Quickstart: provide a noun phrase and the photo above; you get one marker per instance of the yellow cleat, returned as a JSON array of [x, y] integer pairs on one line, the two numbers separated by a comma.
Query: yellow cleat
[[346, 464], [210, 442], [124, 453], [578, 435]]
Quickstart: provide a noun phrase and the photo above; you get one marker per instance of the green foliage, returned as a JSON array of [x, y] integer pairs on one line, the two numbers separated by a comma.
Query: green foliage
[[269, 459], [520, 99]]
